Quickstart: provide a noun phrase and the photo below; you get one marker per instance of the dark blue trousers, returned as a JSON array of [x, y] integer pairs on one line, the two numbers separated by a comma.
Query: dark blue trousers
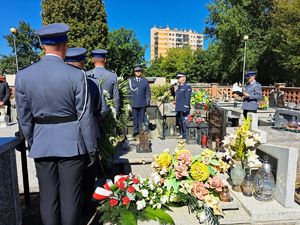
[[181, 118], [60, 184], [138, 117]]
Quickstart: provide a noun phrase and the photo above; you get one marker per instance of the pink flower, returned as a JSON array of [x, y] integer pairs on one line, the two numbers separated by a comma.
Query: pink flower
[[214, 183], [199, 120], [181, 170], [185, 158], [199, 190]]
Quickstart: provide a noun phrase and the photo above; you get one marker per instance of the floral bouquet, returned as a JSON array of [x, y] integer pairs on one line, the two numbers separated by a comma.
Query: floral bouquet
[[192, 181], [201, 97], [129, 199], [241, 146], [195, 117], [264, 104]]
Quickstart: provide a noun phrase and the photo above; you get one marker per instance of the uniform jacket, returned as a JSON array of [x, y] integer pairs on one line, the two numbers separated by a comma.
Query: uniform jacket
[[4, 92], [52, 88], [97, 97], [139, 92], [254, 90], [183, 98], [109, 83]]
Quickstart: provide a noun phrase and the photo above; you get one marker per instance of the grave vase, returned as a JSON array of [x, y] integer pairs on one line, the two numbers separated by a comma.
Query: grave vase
[[237, 175]]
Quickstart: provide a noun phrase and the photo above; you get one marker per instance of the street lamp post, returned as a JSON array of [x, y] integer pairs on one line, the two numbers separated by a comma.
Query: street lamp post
[[14, 31], [246, 37]]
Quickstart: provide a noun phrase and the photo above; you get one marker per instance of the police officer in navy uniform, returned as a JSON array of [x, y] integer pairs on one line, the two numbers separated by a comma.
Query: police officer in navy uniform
[[252, 94], [108, 79], [140, 98], [76, 57], [56, 117], [183, 99]]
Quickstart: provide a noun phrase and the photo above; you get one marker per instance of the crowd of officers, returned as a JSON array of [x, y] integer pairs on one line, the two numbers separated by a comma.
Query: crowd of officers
[[60, 108]]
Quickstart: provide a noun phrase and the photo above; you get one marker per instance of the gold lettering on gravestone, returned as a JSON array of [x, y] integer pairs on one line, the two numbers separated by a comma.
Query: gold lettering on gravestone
[[144, 140]]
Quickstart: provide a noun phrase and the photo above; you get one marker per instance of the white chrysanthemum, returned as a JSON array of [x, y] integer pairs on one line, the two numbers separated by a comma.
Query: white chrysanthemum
[[140, 204], [145, 193]]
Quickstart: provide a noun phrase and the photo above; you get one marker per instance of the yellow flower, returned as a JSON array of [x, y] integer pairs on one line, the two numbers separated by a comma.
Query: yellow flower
[[164, 160], [199, 171], [224, 166], [178, 152], [207, 155]]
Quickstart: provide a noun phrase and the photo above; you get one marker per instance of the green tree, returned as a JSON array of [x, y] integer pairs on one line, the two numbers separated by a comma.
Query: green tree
[[86, 18], [27, 45], [177, 59], [124, 51], [285, 38], [206, 65], [228, 22]]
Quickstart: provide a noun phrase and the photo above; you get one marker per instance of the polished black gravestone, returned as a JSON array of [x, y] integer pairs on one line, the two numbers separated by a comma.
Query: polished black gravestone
[[217, 122], [9, 193]]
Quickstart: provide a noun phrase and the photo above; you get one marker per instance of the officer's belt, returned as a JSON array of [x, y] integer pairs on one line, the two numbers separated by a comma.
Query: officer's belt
[[250, 100], [55, 119]]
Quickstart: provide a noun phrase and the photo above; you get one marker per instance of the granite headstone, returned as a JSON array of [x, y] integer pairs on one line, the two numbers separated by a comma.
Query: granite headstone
[[9, 194]]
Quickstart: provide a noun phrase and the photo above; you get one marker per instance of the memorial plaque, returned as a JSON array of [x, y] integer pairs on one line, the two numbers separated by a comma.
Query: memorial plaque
[[217, 122]]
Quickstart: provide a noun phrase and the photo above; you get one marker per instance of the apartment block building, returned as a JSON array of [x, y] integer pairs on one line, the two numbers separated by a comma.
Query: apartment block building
[[164, 38]]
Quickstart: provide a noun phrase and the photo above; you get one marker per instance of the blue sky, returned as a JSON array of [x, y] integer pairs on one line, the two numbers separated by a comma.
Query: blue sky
[[138, 15]]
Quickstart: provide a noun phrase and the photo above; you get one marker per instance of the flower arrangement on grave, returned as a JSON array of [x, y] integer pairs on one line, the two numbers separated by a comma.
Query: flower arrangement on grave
[[192, 181], [130, 199], [195, 117], [241, 146], [201, 97], [264, 104], [161, 93]]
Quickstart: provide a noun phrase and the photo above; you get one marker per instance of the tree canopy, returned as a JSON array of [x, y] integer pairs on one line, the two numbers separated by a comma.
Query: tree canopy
[[27, 45], [86, 18], [124, 51]]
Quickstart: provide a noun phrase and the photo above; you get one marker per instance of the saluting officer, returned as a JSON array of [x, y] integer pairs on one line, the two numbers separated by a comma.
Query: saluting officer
[[140, 98], [183, 99], [55, 114], [107, 78], [252, 94]]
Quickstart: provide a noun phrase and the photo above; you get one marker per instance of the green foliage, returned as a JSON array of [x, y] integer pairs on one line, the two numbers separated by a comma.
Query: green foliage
[[158, 92], [177, 59], [285, 35], [240, 146], [86, 18], [125, 51], [109, 127], [273, 46], [128, 218], [158, 215], [27, 45]]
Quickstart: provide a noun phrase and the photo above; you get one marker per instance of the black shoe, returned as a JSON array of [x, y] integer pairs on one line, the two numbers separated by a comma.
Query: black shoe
[[135, 134]]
